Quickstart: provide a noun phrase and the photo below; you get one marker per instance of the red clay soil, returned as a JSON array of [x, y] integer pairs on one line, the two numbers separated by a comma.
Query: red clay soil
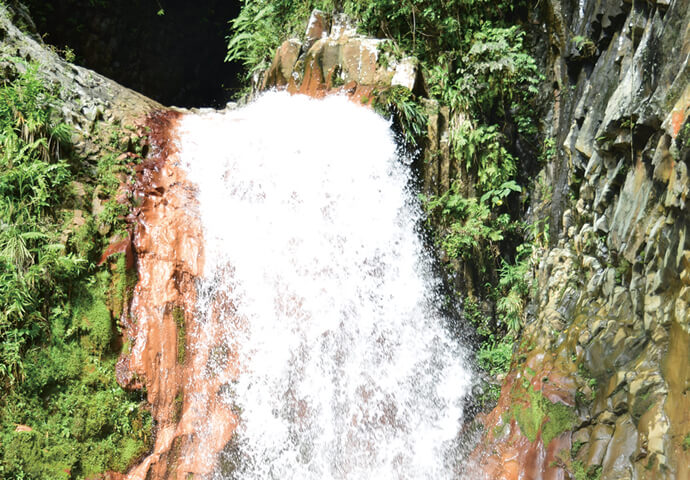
[[167, 242]]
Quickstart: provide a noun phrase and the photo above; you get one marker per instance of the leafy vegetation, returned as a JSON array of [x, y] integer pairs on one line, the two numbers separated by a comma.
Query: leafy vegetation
[[581, 472], [33, 180], [408, 113], [262, 25], [62, 414]]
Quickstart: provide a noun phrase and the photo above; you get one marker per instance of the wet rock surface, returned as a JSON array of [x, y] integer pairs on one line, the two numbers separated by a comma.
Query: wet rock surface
[[333, 59], [610, 314], [168, 245]]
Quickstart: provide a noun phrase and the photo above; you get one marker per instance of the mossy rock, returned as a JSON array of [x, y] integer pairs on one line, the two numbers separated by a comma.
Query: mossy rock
[[534, 413]]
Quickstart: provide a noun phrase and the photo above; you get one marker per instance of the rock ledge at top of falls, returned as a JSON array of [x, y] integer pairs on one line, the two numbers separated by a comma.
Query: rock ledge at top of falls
[[87, 95], [337, 59]]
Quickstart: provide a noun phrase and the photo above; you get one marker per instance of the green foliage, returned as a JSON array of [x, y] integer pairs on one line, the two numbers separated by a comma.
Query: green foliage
[[402, 104], [469, 226], [33, 180], [581, 472], [497, 78], [83, 422], [262, 25], [494, 355], [56, 331], [513, 288], [481, 148]]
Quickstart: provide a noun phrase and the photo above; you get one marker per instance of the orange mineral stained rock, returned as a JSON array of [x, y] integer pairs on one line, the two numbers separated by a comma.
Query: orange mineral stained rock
[[168, 246]]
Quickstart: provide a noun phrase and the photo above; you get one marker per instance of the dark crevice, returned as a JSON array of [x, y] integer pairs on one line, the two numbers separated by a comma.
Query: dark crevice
[[170, 50]]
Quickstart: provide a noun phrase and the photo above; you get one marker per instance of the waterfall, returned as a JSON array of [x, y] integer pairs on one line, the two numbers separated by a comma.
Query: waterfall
[[318, 305]]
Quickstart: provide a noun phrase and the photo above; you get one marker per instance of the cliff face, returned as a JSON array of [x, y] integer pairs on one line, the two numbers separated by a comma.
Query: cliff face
[[608, 332]]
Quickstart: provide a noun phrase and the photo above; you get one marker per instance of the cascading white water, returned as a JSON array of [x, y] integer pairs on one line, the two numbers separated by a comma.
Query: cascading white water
[[317, 283]]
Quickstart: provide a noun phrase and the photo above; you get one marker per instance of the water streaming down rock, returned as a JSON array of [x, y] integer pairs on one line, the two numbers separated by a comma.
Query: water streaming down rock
[[317, 306]]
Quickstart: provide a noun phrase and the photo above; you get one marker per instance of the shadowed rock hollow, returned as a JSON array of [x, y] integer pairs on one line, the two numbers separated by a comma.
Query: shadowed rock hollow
[[172, 51]]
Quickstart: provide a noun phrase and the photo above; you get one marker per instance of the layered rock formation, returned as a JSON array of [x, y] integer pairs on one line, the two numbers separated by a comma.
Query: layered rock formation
[[333, 59], [609, 328]]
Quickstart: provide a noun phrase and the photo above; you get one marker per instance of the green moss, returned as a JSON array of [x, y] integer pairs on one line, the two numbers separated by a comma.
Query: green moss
[[83, 240], [91, 315], [178, 316], [122, 286], [686, 442], [534, 413], [580, 472], [575, 449], [83, 421], [559, 418], [529, 417], [177, 406]]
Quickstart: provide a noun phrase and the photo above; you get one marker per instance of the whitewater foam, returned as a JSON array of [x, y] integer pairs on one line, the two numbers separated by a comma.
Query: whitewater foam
[[316, 282]]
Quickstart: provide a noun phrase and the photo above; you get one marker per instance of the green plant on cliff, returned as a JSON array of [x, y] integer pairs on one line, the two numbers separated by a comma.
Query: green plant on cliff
[[535, 414], [409, 114], [468, 227], [62, 414], [580, 471], [262, 25], [33, 178], [494, 355]]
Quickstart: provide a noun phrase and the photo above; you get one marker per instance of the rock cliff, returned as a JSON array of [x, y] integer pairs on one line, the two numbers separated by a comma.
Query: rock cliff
[[608, 330]]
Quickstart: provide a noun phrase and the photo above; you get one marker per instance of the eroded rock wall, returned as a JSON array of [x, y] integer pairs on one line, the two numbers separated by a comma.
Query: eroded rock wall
[[608, 331]]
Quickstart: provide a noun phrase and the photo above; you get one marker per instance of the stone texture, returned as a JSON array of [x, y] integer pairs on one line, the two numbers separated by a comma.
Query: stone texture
[[338, 60], [613, 279]]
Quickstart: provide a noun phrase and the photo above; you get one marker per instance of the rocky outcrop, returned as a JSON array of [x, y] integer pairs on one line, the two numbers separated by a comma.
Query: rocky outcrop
[[608, 333], [88, 96], [337, 59], [162, 358]]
